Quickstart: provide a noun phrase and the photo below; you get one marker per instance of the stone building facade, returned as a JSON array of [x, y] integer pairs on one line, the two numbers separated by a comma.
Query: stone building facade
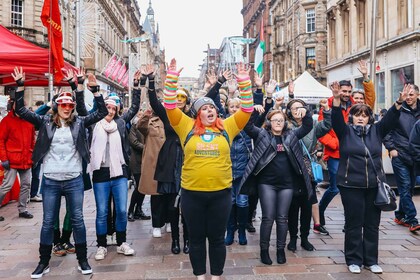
[[397, 44]]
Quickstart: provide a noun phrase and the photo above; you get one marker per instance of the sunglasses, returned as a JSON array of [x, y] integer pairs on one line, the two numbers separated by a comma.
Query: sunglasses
[[66, 106]]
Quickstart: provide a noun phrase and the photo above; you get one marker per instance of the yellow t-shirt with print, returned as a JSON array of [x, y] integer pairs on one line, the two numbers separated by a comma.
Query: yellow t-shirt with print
[[207, 164]]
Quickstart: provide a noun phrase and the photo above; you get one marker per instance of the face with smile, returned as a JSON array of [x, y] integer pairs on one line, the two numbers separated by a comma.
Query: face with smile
[[277, 122], [345, 93], [112, 110], [358, 98], [208, 114], [233, 106]]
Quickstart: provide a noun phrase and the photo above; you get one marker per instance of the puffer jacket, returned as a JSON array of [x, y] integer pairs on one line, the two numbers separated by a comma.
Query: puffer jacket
[[240, 153], [265, 151]]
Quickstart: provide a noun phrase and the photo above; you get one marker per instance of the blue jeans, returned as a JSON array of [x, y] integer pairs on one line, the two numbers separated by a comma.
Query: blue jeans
[[241, 200], [406, 179], [332, 190], [73, 191], [119, 190]]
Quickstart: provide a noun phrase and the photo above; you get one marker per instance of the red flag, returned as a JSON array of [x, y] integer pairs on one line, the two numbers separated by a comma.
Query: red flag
[[116, 70], [109, 68], [51, 19]]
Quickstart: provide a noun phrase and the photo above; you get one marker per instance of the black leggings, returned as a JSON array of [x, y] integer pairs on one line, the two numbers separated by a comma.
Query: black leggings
[[300, 202], [275, 204], [206, 215]]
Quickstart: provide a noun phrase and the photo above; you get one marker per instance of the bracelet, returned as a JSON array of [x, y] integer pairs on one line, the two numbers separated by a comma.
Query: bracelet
[[20, 82], [399, 102], [80, 80]]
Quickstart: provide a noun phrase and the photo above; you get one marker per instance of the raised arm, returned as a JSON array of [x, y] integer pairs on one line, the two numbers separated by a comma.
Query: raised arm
[[307, 123], [135, 102], [169, 94], [102, 110], [245, 89], [322, 127], [368, 86], [338, 123]]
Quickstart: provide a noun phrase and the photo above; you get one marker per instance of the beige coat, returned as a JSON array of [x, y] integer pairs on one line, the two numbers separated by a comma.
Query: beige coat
[[154, 134]]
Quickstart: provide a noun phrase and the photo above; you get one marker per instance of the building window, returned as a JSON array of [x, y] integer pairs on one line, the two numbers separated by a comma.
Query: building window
[[380, 91], [361, 18], [403, 14], [310, 58], [400, 77], [17, 13], [381, 19], [310, 20]]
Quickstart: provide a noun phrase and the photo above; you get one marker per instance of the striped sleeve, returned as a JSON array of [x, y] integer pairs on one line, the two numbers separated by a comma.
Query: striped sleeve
[[245, 89], [169, 94]]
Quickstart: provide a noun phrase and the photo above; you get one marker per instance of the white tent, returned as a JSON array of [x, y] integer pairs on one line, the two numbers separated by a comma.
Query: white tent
[[308, 89]]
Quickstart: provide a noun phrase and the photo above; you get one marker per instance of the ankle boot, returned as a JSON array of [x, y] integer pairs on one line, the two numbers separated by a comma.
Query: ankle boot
[[306, 244], [292, 244], [281, 256], [242, 220], [186, 249], [230, 235], [44, 259], [175, 247], [81, 251], [265, 257]]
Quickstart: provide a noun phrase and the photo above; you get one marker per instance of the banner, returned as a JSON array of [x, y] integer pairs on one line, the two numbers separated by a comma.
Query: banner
[[117, 69], [259, 52], [110, 66], [50, 17], [122, 73], [124, 81]]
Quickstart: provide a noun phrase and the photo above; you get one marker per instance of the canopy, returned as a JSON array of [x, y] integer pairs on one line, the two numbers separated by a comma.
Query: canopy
[[15, 51], [308, 89]]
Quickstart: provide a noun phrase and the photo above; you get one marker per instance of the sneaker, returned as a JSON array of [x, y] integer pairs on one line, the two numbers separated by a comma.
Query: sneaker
[[70, 249], [401, 222], [319, 229], [125, 249], [36, 198], [354, 268], [414, 227], [156, 233], [40, 270], [129, 183], [58, 250], [168, 228], [84, 267], [375, 269], [26, 215], [101, 253]]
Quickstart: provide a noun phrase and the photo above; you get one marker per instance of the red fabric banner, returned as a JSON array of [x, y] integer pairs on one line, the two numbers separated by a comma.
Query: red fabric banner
[[122, 73], [51, 19], [110, 66], [116, 70], [124, 81]]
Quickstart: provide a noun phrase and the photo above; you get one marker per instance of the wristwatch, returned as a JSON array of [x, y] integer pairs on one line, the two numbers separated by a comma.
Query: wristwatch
[[399, 102]]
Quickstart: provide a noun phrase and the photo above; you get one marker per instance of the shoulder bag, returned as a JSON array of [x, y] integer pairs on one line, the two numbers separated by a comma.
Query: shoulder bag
[[315, 166]]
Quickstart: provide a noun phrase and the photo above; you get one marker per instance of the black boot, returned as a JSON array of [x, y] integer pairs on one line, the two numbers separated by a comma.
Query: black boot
[[130, 217], [81, 253], [292, 244], [281, 256], [175, 247], [186, 249], [231, 227], [306, 244], [265, 257], [44, 260]]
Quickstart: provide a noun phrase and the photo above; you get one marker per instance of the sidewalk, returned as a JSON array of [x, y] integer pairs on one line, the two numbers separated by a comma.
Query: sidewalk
[[399, 253]]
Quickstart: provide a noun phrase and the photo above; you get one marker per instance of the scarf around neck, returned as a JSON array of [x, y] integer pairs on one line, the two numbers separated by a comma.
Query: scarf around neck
[[104, 132]]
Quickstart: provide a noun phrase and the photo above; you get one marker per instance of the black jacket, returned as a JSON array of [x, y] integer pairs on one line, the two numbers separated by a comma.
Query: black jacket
[[47, 128], [355, 169], [121, 121], [265, 150], [398, 138], [415, 146]]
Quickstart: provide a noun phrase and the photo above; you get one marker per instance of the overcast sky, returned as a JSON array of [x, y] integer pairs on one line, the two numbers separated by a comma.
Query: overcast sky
[[187, 26]]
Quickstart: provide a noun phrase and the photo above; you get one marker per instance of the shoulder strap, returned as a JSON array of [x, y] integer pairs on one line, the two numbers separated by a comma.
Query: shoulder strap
[[191, 133], [305, 149]]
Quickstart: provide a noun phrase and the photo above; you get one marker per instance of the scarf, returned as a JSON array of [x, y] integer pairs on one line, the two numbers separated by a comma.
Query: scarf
[[103, 132]]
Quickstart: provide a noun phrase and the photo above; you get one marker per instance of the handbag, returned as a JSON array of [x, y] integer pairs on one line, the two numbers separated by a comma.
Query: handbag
[[385, 199], [316, 168]]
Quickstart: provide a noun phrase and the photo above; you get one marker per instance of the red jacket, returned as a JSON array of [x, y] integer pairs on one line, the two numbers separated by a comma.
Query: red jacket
[[17, 141], [330, 140]]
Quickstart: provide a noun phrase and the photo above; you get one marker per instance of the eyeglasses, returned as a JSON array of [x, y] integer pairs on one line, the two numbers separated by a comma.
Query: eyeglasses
[[277, 120], [66, 105], [295, 109]]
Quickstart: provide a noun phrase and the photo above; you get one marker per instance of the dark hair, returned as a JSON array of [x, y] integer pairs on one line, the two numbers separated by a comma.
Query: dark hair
[[358, 109], [345, 83], [39, 103], [416, 88]]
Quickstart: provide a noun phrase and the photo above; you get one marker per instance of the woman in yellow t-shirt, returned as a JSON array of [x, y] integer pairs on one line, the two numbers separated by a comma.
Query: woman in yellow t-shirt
[[206, 178]]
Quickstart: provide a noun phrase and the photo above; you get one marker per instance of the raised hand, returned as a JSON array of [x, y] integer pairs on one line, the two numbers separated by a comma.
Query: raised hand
[[258, 80], [405, 92], [335, 88], [81, 75], [136, 78], [172, 67], [291, 87], [92, 84], [232, 86], [211, 77], [18, 75], [278, 101], [242, 71], [259, 109], [150, 71], [227, 74], [270, 87], [301, 112], [363, 68], [69, 75], [324, 104]]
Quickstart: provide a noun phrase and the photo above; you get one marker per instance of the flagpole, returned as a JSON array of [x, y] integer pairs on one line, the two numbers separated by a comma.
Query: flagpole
[[50, 74]]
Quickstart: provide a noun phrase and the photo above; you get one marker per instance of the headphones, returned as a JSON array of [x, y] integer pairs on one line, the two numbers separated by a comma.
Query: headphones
[[356, 108], [54, 105], [267, 123], [289, 105]]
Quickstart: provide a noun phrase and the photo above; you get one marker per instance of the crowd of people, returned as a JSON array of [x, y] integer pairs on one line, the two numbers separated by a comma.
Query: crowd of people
[[209, 160]]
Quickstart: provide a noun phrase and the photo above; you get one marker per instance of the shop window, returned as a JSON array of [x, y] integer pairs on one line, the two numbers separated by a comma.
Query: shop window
[[400, 77], [310, 58]]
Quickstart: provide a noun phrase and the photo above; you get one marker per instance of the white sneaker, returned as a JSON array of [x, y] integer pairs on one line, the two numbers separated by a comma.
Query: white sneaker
[[354, 268], [375, 269], [36, 198], [125, 249], [168, 228], [156, 233], [101, 253]]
